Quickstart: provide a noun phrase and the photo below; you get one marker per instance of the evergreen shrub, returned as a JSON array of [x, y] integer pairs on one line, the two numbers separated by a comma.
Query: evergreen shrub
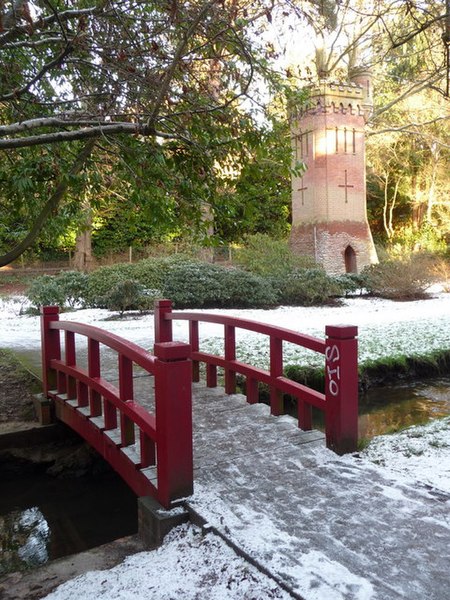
[[206, 285], [45, 291], [152, 272], [306, 287], [350, 283], [266, 256], [101, 282], [74, 285], [130, 295]]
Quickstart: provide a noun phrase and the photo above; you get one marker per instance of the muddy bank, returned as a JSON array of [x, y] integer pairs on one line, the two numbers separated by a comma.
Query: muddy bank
[[36, 584]]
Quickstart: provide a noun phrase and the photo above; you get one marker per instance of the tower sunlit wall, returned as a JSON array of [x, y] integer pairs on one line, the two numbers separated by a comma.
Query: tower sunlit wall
[[329, 215]]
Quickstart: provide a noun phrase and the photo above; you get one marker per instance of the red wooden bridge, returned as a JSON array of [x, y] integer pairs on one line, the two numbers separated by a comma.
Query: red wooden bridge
[[153, 451]]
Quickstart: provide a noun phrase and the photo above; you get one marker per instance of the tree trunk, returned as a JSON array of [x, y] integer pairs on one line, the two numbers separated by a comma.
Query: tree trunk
[[82, 260]]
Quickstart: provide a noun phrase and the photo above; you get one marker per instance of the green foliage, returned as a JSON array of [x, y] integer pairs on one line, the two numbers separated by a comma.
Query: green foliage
[[305, 287], [410, 239], [73, 285], [102, 280], [46, 291], [401, 279], [206, 285], [392, 368], [350, 283], [266, 256], [246, 290], [152, 272], [130, 295]]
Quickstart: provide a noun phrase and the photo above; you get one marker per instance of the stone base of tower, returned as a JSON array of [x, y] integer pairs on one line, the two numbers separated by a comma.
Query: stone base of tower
[[340, 247]]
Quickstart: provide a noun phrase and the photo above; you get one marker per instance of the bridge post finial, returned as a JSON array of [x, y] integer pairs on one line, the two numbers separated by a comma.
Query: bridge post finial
[[51, 346], [341, 388], [163, 327]]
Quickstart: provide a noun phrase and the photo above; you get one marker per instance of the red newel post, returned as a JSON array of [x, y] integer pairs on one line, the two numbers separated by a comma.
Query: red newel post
[[51, 346], [173, 410], [163, 327], [341, 388]]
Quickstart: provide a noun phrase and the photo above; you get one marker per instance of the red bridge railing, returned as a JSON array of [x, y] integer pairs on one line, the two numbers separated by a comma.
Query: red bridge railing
[[340, 401], [152, 452]]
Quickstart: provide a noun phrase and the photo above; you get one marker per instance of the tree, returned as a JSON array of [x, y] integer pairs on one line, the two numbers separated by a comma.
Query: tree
[[90, 77], [406, 47]]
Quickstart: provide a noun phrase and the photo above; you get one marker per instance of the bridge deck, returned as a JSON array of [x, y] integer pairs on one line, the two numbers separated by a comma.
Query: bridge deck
[[328, 527]]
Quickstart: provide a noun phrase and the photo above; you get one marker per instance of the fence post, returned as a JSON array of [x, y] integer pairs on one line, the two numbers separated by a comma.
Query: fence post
[[173, 411], [50, 346], [341, 388], [163, 327]]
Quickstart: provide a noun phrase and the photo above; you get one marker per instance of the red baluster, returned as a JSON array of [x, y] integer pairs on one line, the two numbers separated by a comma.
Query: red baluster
[[230, 355], [95, 400], [276, 370], [126, 393], [194, 341]]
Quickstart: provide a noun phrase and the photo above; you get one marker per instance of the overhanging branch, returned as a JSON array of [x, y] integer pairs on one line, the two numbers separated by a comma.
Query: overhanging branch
[[80, 134]]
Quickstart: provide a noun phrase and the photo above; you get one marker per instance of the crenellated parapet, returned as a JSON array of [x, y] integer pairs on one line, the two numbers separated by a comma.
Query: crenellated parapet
[[330, 97]]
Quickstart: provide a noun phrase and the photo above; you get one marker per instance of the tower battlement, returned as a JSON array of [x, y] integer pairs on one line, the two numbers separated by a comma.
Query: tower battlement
[[353, 97]]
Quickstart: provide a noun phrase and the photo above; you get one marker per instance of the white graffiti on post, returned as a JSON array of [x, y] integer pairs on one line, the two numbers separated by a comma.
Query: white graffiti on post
[[332, 356]]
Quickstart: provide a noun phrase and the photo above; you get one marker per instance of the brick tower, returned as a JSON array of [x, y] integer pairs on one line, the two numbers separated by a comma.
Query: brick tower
[[329, 216]]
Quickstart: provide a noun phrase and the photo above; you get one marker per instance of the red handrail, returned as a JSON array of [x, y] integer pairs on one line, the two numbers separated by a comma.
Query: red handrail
[[159, 462], [340, 401]]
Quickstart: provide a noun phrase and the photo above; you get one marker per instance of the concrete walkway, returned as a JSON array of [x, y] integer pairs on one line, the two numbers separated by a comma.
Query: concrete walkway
[[327, 527]]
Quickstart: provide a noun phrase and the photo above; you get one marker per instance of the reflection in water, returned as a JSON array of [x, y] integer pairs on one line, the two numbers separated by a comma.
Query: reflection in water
[[43, 518], [24, 536], [390, 408], [34, 551]]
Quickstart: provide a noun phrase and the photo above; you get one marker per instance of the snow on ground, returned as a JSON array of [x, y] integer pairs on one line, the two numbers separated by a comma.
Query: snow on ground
[[386, 328], [191, 565], [421, 452], [188, 566]]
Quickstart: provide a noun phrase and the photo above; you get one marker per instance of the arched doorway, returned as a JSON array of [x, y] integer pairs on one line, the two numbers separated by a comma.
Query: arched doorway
[[350, 260]]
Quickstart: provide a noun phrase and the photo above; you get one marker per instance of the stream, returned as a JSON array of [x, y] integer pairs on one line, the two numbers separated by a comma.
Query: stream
[[390, 408]]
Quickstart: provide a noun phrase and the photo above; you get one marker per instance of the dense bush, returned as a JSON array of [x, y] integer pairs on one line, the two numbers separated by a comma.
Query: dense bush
[[402, 278], [207, 285], [441, 270], [130, 295], [102, 280], [306, 287], [189, 283], [350, 283], [73, 285], [246, 290], [152, 272], [45, 291]]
